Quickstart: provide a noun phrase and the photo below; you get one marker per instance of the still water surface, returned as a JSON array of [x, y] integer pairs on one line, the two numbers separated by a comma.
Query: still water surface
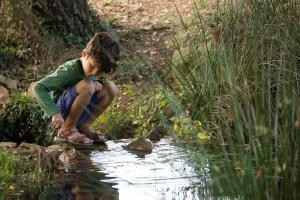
[[166, 173], [115, 173]]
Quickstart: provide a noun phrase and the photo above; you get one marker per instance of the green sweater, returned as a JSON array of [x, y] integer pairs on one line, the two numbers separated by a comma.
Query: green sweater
[[47, 90]]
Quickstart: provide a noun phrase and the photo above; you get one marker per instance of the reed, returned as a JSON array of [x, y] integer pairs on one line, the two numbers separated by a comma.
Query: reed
[[240, 78]]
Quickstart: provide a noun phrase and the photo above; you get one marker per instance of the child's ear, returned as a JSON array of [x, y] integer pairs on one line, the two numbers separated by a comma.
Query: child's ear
[[84, 53]]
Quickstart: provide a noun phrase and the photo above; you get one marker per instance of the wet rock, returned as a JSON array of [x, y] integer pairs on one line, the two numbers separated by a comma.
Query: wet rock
[[55, 147], [25, 148], [157, 133], [66, 157], [4, 95], [34, 154], [141, 144], [47, 160], [128, 134], [8, 145], [7, 82]]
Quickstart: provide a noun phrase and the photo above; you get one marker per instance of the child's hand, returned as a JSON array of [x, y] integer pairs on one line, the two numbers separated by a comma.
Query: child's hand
[[57, 120], [98, 86]]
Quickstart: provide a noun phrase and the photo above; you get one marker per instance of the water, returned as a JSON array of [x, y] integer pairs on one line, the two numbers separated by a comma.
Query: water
[[115, 173], [166, 173]]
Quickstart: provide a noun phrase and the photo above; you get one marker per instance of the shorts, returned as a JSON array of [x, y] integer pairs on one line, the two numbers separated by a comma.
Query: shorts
[[66, 100]]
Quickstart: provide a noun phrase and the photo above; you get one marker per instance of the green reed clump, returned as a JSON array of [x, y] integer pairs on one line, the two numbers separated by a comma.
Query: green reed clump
[[240, 78]]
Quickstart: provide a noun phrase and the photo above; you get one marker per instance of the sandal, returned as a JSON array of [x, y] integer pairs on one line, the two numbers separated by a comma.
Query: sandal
[[73, 136], [97, 137]]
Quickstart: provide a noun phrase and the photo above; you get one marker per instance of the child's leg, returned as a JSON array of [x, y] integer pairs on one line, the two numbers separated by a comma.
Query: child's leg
[[85, 89], [106, 96]]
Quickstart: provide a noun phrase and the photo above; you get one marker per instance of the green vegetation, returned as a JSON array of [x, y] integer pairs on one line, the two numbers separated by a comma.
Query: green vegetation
[[137, 114], [232, 85], [238, 73], [14, 174], [21, 120]]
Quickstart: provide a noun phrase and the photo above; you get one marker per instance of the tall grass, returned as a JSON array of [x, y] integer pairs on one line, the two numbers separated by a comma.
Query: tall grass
[[240, 77]]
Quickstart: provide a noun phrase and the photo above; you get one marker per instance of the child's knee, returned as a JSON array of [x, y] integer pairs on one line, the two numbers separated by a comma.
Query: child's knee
[[86, 87], [110, 89]]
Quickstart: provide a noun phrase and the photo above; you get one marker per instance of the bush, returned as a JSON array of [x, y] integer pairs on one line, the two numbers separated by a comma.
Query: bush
[[136, 114], [21, 120]]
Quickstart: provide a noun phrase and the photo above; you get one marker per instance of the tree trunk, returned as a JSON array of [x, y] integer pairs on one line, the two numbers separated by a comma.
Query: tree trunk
[[65, 15]]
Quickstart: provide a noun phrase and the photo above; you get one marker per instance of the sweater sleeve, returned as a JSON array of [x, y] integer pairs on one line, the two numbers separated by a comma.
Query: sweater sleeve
[[56, 81]]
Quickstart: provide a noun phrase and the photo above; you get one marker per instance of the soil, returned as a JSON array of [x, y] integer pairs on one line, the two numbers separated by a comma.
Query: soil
[[143, 27]]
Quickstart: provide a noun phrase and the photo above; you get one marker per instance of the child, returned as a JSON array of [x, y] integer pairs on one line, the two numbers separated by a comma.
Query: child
[[72, 98]]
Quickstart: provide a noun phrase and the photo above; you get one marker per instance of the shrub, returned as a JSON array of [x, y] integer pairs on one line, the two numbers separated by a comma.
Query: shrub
[[21, 120]]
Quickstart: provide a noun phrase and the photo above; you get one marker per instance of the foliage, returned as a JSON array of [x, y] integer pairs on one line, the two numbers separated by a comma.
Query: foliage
[[140, 115], [18, 32], [12, 168], [239, 77], [189, 130], [21, 120]]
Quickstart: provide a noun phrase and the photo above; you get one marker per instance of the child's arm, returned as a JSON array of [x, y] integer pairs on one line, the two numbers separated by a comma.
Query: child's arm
[[41, 94], [54, 82]]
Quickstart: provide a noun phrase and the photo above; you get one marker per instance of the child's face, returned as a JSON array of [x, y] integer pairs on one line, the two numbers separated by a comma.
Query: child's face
[[89, 65]]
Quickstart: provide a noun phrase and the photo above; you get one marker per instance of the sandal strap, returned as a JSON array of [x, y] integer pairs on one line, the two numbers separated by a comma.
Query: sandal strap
[[91, 134], [74, 135], [80, 139]]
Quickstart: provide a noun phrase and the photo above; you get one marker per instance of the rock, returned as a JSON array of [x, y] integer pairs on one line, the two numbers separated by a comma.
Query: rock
[[127, 134], [7, 82], [157, 133], [141, 144], [47, 160], [52, 155], [65, 158], [4, 95], [55, 147], [8, 145], [25, 147], [35, 154]]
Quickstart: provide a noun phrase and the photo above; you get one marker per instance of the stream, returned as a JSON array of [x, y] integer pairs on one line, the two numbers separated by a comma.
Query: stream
[[115, 173]]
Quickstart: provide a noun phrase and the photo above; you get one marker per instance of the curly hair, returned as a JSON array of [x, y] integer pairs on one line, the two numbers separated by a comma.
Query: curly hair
[[104, 50]]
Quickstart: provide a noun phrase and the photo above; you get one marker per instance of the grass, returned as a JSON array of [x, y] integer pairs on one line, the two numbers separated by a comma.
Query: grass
[[14, 175], [244, 87]]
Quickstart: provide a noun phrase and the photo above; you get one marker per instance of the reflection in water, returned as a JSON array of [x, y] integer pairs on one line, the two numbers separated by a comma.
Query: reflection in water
[[81, 183], [166, 173], [115, 173]]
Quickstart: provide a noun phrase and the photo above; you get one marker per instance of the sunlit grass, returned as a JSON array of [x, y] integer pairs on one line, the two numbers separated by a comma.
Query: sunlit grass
[[10, 166], [16, 175]]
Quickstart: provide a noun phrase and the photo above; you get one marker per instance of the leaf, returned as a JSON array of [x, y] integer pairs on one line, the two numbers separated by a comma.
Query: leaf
[[176, 128], [135, 122], [11, 187], [203, 136]]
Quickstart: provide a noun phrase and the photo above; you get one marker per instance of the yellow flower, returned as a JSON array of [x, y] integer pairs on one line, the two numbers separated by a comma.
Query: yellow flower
[[102, 119]]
